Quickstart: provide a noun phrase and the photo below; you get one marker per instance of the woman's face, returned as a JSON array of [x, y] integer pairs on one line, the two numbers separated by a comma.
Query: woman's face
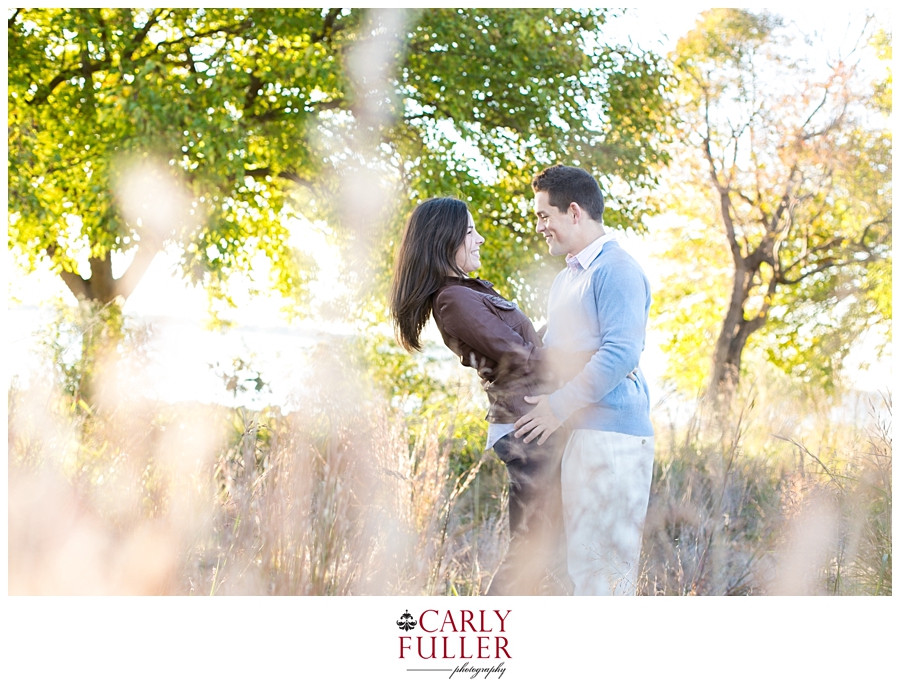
[[467, 256]]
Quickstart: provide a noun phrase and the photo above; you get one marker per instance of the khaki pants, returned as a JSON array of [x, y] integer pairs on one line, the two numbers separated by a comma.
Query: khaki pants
[[605, 491]]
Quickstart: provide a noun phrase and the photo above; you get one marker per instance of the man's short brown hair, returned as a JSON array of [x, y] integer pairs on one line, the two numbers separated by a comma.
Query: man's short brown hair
[[567, 184]]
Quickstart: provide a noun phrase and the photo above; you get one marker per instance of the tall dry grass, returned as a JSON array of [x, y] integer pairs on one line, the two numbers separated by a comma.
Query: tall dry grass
[[350, 495], [127, 495], [745, 505], [335, 500]]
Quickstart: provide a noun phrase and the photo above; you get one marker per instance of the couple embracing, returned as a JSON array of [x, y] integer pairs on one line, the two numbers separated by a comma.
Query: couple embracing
[[570, 411]]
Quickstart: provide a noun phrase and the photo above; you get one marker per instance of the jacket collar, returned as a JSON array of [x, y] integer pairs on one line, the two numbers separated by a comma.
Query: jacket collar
[[467, 282]]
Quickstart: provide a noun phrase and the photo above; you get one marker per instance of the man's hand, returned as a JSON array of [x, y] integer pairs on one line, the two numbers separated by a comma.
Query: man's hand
[[539, 422]]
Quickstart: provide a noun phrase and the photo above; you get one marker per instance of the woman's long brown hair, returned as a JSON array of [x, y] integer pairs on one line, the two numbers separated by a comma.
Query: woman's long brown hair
[[427, 254]]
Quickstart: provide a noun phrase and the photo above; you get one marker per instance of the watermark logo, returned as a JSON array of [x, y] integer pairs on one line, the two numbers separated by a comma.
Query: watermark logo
[[470, 643], [406, 621]]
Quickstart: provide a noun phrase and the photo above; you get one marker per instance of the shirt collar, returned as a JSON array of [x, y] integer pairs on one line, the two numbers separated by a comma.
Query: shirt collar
[[584, 258]]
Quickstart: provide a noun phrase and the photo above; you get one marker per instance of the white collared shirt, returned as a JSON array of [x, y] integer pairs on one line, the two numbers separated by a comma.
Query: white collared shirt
[[589, 253], [497, 431]]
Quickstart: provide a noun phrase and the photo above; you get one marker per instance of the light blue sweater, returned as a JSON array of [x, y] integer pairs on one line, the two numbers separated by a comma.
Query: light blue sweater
[[602, 307]]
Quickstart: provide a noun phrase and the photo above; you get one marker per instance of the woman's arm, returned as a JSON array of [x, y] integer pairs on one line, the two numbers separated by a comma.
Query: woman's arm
[[463, 313]]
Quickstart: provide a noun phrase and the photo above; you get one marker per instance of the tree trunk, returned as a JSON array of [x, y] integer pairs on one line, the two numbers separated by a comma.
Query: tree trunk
[[101, 286], [100, 298], [736, 330], [727, 358], [103, 331]]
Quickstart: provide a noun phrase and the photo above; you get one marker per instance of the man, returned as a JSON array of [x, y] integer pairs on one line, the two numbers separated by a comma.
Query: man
[[599, 302]]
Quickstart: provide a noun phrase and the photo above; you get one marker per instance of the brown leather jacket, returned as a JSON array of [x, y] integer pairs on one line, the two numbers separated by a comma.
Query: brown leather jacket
[[491, 335]]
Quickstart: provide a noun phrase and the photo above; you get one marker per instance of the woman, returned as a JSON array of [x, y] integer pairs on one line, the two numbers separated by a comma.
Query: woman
[[439, 248]]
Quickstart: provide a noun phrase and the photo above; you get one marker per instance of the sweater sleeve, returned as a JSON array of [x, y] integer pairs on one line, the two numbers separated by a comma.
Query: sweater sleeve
[[467, 317], [621, 299]]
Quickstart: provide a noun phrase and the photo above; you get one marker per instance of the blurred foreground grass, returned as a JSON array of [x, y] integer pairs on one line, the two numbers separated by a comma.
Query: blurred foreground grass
[[377, 486], [775, 500]]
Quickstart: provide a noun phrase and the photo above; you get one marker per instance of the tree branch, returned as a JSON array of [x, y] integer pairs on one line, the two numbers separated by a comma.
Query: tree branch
[[861, 243], [85, 69], [278, 114], [141, 35], [287, 175], [784, 204], [724, 198], [830, 262], [146, 251], [756, 322], [104, 33], [252, 91], [227, 31], [824, 265], [77, 285], [325, 105], [328, 26], [815, 111]]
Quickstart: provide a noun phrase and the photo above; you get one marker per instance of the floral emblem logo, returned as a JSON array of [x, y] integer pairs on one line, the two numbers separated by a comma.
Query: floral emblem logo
[[406, 622]]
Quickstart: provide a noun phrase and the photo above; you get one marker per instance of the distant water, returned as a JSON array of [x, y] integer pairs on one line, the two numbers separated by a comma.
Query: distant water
[[182, 361]]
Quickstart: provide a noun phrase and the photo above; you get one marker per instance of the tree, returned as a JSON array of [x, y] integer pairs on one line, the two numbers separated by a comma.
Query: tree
[[788, 164], [132, 129]]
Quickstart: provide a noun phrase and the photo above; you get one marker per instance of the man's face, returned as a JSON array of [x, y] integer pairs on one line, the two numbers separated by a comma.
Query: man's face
[[557, 227]]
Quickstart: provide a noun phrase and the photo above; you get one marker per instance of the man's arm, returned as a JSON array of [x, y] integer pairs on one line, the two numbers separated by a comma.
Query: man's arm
[[621, 298]]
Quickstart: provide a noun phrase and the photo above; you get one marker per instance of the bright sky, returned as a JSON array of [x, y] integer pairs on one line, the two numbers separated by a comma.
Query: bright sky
[[183, 348]]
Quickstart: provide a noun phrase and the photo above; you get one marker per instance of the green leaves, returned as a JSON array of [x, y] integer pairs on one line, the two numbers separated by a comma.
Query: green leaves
[[524, 88], [257, 111]]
